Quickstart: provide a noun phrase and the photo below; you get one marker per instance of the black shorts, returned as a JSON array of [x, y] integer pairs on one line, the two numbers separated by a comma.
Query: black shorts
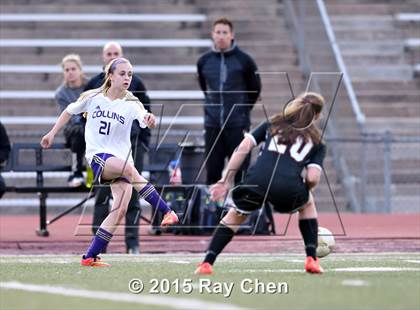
[[288, 199]]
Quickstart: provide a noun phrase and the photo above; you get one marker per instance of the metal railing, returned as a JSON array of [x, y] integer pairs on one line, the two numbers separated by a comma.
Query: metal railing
[[321, 63], [317, 47], [360, 117], [370, 166], [386, 171]]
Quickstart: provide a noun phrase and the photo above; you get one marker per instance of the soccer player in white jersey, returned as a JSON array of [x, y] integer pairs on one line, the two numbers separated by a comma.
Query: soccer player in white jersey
[[111, 109]]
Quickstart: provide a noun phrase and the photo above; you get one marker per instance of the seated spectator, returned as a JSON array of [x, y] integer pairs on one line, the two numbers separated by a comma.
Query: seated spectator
[[74, 132]]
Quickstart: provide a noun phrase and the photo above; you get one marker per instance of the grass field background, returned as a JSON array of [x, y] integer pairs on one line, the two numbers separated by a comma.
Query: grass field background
[[350, 281]]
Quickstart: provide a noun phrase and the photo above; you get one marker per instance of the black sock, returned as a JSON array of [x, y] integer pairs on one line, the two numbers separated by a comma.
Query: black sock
[[309, 231], [221, 237]]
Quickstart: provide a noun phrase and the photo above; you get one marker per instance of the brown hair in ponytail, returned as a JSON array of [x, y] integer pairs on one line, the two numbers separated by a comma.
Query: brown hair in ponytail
[[297, 119]]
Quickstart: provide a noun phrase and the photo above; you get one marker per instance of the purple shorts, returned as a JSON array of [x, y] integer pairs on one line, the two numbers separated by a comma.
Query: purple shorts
[[98, 165]]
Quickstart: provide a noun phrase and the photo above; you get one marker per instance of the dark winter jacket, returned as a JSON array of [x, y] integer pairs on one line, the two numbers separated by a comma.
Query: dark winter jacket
[[4, 146], [231, 86]]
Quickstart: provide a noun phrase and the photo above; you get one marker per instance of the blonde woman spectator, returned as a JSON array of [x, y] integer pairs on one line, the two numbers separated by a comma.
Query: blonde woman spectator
[[71, 88]]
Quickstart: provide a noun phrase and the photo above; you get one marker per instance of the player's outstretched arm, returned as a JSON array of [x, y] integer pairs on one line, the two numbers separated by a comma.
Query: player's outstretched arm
[[219, 190], [48, 139]]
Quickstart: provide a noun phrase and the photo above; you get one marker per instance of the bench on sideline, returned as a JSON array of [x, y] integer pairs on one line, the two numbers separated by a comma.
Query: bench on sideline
[[157, 164]]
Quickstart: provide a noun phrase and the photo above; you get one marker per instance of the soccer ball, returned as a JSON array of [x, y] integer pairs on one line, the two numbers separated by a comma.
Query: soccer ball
[[326, 242]]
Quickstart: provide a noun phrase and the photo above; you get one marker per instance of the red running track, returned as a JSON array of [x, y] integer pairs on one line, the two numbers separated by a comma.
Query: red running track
[[353, 233]]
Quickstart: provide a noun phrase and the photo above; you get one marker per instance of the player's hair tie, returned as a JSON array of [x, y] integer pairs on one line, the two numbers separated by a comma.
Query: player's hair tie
[[306, 101], [115, 63]]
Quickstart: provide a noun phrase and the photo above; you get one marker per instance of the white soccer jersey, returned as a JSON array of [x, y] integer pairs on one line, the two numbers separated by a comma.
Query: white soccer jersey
[[108, 125]]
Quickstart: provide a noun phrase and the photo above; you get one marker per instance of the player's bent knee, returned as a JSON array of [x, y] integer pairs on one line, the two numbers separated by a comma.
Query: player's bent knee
[[233, 219], [129, 172]]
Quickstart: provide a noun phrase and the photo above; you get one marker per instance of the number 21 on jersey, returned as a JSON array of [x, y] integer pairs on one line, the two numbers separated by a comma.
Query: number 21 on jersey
[[105, 127], [296, 151]]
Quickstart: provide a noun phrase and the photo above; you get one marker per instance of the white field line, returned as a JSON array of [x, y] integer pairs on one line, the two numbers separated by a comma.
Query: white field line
[[190, 259], [404, 255], [349, 269], [179, 262], [374, 269], [225, 257], [164, 301], [295, 260], [354, 282]]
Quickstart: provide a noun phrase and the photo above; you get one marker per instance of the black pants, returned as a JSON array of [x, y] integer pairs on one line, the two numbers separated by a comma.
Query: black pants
[[220, 149], [132, 217], [2, 186], [75, 140]]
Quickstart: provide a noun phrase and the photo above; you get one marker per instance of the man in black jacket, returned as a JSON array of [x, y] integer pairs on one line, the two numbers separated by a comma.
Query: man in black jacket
[[231, 85], [140, 138], [4, 155]]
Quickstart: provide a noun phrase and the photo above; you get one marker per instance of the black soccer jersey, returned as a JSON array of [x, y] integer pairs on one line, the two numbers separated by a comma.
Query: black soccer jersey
[[280, 164]]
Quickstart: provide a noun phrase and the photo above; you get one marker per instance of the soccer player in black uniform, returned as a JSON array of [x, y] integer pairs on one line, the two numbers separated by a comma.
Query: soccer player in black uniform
[[292, 142]]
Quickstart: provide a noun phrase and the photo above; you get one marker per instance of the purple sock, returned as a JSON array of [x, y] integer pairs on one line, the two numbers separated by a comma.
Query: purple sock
[[150, 194], [99, 242]]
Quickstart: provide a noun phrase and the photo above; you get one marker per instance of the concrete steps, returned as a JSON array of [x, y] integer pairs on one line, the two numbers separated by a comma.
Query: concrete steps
[[92, 7], [260, 31], [372, 45], [411, 85], [382, 73], [337, 7], [98, 32], [398, 126], [392, 110], [162, 81], [197, 46], [268, 62]]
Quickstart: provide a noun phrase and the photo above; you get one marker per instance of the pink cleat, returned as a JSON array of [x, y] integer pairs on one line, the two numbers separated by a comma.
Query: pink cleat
[[312, 265], [93, 262], [169, 218], [204, 268]]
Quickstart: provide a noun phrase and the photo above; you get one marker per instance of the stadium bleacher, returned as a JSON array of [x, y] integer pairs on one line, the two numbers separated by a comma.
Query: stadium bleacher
[[94, 69], [409, 23], [372, 36], [375, 261], [30, 72], [169, 73]]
